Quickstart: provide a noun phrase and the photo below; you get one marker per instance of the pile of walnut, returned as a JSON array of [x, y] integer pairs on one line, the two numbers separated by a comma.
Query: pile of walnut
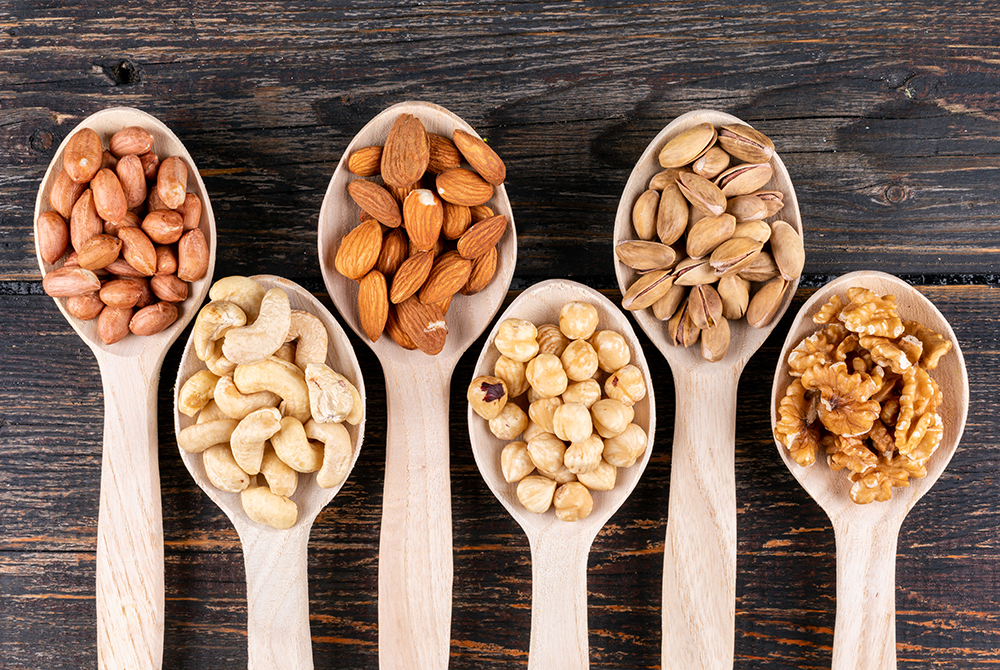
[[716, 258], [133, 232], [425, 233], [863, 395], [267, 405], [574, 435]]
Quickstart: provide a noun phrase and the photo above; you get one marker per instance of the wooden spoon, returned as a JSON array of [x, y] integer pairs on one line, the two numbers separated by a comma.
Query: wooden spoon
[[699, 571], [276, 560], [130, 526], [415, 552], [559, 549], [865, 633]]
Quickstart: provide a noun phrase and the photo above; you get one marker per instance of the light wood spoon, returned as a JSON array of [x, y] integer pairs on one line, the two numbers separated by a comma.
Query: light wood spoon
[[278, 636], [415, 550], [699, 562], [559, 549], [865, 633], [130, 527]]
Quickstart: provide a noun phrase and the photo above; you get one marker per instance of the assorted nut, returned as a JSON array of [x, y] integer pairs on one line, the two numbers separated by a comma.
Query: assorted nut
[[862, 394], [425, 232], [705, 254], [578, 386], [132, 234], [267, 406]]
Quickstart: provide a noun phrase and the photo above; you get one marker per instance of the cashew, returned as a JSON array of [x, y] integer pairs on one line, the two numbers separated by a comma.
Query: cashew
[[332, 397], [281, 479], [312, 338], [218, 363], [211, 412], [293, 447], [253, 343], [286, 352], [196, 392], [243, 291], [247, 440], [337, 451], [213, 321], [223, 470], [235, 404], [199, 437], [264, 507], [280, 377]]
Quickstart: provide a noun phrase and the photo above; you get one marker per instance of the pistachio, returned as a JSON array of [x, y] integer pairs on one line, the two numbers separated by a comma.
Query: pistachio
[[786, 245], [680, 328], [704, 306], [762, 268], [744, 179], [715, 341], [694, 271], [773, 200], [703, 195], [746, 208], [711, 164], [643, 255], [734, 254], [765, 302], [644, 214], [709, 232], [755, 230], [735, 294], [688, 146], [746, 143], [647, 289], [665, 178], [672, 214], [665, 307]]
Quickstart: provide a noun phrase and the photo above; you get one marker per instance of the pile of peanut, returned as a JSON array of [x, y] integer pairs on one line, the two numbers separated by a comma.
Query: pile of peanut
[[576, 431], [426, 232], [267, 405], [132, 231]]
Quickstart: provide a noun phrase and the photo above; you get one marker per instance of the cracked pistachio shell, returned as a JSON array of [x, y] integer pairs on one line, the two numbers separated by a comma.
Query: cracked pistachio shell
[[680, 328], [746, 208], [746, 143], [709, 232], [704, 306], [666, 307], [644, 214], [765, 302], [672, 214], [786, 246], [647, 290], [715, 341], [755, 230], [643, 255], [703, 195], [711, 163], [762, 268], [744, 179], [688, 146], [735, 294], [773, 200], [734, 254], [665, 178], [694, 271]]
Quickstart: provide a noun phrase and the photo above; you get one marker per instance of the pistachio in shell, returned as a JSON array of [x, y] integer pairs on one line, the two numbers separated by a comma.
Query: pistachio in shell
[[765, 302], [694, 271], [644, 255], [773, 200], [762, 268], [680, 328], [746, 143], [711, 163], [688, 145], [709, 232], [786, 245], [647, 289], [644, 214], [704, 306], [746, 208], [671, 214], [744, 178], [755, 230], [715, 341], [666, 307], [734, 291], [734, 254], [703, 195], [664, 178]]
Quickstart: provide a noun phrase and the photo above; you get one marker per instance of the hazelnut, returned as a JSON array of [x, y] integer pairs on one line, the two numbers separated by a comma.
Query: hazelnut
[[582, 457], [612, 350], [535, 493], [551, 340], [546, 452], [541, 412], [611, 417], [622, 451], [515, 462], [586, 392], [560, 476], [572, 502], [487, 396], [532, 430], [601, 478], [626, 385], [579, 360], [516, 339], [509, 423], [512, 373], [572, 423], [578, 320], [546, 375]]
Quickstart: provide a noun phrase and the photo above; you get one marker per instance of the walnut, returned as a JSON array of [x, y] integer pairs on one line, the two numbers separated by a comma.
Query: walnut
[[871, 314], [818, 348], [881, 439], [851, 453], [794, 430], [897, 355], [830, 312], [929, 443], [844, 407], [918, 402], [870, 486], [934, 344]]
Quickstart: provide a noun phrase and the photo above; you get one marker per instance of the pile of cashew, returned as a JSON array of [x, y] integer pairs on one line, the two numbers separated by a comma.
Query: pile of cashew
[[267, 405]]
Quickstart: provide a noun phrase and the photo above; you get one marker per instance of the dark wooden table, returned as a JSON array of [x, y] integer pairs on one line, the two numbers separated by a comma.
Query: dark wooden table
[[886, 114]]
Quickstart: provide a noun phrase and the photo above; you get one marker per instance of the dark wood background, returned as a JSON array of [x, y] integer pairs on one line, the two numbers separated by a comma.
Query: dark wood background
[[886, 114]]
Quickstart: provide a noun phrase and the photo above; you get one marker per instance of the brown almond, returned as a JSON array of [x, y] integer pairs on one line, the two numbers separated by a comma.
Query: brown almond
[[394, 252], [131, 140], [359, 250], [166, 259], [443, 305], [480, 213], [396, 332], [399, 193], [424, 324], [457, 219], [169, 288], [138, 251], [435, 252], [99, 251], [83, 155], [463, 187], [483, 269], [163, 226], [423, 216], [84, 222], [171, 181], [113, 324], [153, 319], [375, 200], [64, 194], [192, 255], [130, 220], [406, 152], [444, 154], [411, 275], [373, 304], [448, 275], [482, 236], [150, 165], [84, 307], [132, 180], [480, 156], [109, 198], [121, 293], [365, 162], [65, 282], [51, 236], [190, 210]]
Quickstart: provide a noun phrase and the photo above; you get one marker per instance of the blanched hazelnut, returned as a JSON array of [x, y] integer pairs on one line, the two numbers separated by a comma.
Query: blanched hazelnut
[[515, 463], [622, 451], [541, 412], [560, 476], [572, 423], [487, 396], [551, 340], [546, 375], [578, 320], [546, 451], [601, 478], [586, 392], [626, 385], [512, 374], [612, 350], [516, 339], [535, 493], [532, 430], [579, 360], [509, 423], [611, 417], [572, 502], [582, 457]]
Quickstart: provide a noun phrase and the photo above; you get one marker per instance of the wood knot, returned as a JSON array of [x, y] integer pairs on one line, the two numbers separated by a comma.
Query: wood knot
[[895, 194], [121, 73]]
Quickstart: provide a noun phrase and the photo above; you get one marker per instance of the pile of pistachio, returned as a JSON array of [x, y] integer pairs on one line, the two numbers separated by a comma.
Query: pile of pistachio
[[705, 253]]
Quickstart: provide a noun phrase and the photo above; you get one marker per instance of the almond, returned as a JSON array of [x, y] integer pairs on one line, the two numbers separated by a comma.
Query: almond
[[373, 304], [121, 293], [113, 324], [411, 275], [399, 193], [169, 288], [163, 226], [480, 212], [406, 152], [132, 180], [109, 198], [481, 157], [98, 252], [394, 251], [478, 239], [449, 274], [365, 162], [131, 140], [483, 269], [138, 251], [190, 210], [171, 182], [51, 236], [150, 164], [444, 154], [375, 200], [192, 255], [64, 194], [435, 252], [84, 307], [424, 324], [463, 187], [66, 282], [423, 215], [83, 155], [457, 219], [396, 331], [84, 222], [152, 319], [359, 250]]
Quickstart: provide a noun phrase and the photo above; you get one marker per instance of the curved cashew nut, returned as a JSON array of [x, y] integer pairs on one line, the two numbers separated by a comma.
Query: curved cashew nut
[[218, 363], [243, 291], [223, 470], [293, 447], [280, 377], [312, 338], [281, 479], [264, 507], [235, 405], [247, 440], [332, 397], [286, 352], [199, 437], [196, 392], [337, 452], [253, 343], [213, 321], [211, 412]]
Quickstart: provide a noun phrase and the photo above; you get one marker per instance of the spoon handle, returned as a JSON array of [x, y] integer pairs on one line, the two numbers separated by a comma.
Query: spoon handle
[[559, 602], [865, 634], [129, 591], [699, 557], [415, 551]]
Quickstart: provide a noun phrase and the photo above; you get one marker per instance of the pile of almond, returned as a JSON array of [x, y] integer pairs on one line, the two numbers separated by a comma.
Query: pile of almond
[[131, 229], [425, 232]]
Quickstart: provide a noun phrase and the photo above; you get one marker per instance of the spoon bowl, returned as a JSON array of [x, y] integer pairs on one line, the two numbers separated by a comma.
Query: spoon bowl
[[415, 551], [276, 560], [559, 549], [129, 593], [865, 637], [699, 572]]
